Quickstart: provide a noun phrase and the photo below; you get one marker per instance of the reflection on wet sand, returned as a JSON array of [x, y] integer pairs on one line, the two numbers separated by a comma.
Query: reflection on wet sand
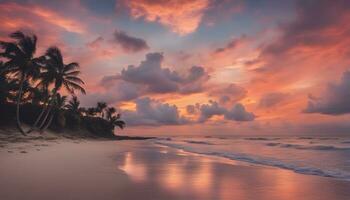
[[189, 176], [137, 172]]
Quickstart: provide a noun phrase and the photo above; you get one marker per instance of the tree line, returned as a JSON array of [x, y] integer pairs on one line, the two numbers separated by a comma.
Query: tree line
[[32, 88]]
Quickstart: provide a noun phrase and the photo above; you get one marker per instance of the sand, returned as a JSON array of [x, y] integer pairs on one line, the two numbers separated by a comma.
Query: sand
[[87, 169]]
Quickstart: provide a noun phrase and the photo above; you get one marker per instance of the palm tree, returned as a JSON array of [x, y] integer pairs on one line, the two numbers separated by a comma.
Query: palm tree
[[59, 103], [2, 68], [101, 106], [7, 85], [39, 95], [91, 111], [116, 121], [110, 111], [113, 119], [83, 111], [60, 75], [73, 105], [21, 62]]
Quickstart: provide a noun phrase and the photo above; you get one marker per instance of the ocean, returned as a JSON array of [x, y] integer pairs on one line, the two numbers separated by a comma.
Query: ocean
[[320, 156]]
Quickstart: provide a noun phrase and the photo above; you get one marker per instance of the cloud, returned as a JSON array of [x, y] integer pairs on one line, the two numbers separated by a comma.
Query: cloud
[[316, 40], [233, 44], [147, 78], [96, 43], [335, 101], [118, 91], [228, 93], [272, 99], [15, 16], [150, 112], [150, 75], [209, 110], [236, 113], [320, 27], [313, 26], [130, 43], [239, 113], [47, 23], [182, 17], [191, 109], [105, 47]]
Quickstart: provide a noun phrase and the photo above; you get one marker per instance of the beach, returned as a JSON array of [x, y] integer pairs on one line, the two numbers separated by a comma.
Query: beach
[[143, 169]]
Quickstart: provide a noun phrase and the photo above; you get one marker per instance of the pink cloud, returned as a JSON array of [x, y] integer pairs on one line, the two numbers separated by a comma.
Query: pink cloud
[[182, 17]]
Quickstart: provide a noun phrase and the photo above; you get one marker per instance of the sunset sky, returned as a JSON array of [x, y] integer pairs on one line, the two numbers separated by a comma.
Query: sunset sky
[[203, 66]]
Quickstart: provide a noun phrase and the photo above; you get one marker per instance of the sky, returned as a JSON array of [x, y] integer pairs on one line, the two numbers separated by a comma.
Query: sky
[[203, 67]]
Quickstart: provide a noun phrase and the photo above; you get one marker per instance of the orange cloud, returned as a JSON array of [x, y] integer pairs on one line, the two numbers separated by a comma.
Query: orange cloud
[[56, 19], [16, 16], [183, 17]]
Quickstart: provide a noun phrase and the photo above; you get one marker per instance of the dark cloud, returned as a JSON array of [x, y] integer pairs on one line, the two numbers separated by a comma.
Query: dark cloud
[[151, 112], [230, 93], [191, 109], [311, 27], [233, 44], [193, 83], [209, 110], [150, 73], [236, 113], [335, 101], [239, 113], [319, 27], [154, 79], [272, 99], [130, 43]]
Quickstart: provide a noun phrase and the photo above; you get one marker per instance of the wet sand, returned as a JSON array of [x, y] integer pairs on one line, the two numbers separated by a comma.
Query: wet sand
[[141, 170]]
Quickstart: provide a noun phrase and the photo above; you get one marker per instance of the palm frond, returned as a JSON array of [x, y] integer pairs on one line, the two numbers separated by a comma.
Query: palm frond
[[71, 66], [18, 35], [74, 86], [75, 79], [121, 124], [73, 73]]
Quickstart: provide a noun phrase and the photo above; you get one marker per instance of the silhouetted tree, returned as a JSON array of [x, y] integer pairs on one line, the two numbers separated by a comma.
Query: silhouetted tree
[[116, 121], [91, 111], [101, 106], [21, 63], [73, 105], [60, 75], [59, 103]]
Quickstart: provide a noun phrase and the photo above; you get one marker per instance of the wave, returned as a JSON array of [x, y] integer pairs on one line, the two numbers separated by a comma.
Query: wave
[[261, 138], [265, 161], [305, 138], [312, 147], [197, 142], [272, 144], [164, 138]]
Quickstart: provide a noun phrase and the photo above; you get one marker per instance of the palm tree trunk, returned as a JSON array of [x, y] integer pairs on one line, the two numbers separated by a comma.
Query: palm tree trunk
[[48, 124], [39, 117], [20, 91], [45, 118], [41, 126]]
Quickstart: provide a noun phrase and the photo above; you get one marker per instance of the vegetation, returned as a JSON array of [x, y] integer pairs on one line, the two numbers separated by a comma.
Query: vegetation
[[33, 86]]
